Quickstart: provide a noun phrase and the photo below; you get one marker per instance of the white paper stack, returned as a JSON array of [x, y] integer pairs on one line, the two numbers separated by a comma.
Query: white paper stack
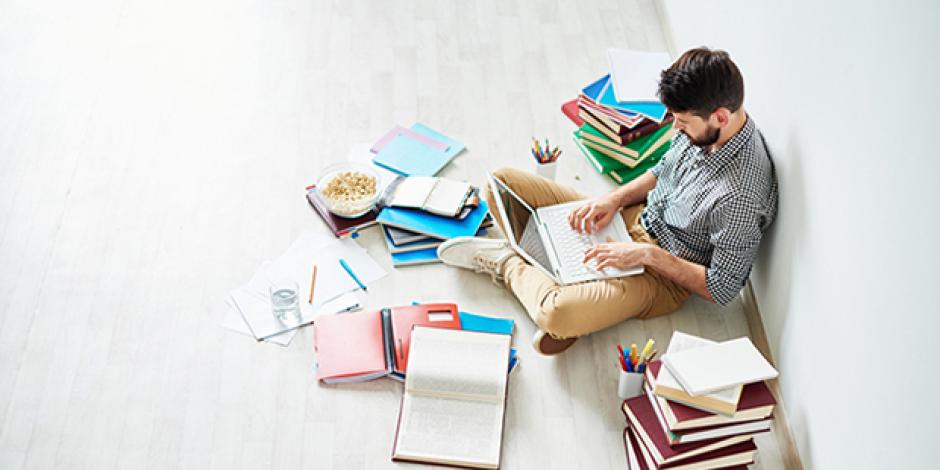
[[249, 309]]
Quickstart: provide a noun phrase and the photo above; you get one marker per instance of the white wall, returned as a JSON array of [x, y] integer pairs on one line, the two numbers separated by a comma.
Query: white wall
[[846, 94]]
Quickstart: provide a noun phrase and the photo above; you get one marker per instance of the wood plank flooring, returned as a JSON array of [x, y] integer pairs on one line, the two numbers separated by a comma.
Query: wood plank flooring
[[153, 155]]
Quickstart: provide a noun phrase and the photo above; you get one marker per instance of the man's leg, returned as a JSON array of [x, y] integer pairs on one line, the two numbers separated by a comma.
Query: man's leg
[[576, 310]]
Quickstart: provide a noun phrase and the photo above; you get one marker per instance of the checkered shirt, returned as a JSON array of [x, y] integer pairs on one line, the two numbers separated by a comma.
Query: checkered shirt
[[713, 209]]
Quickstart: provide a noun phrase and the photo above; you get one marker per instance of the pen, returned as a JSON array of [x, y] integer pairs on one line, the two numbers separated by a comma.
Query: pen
[[313, 284], [633, 357], [620, 350], [651, 356], [349, 270]]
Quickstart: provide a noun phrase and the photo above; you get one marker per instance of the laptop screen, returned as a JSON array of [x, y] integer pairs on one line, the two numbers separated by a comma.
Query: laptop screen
[[522, 223]]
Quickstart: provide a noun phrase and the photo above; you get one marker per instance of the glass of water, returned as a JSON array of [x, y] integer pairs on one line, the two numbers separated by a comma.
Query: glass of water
[[284, 300]]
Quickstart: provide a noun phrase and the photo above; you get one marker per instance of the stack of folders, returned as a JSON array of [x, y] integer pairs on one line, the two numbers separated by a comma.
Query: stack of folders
[[624, 130], [703, 404], [360, 346]]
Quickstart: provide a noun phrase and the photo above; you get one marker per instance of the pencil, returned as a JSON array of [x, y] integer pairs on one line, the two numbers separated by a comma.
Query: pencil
[[313, 283]]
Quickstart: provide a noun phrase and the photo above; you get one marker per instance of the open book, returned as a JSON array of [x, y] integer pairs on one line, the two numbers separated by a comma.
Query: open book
[[454, 404]]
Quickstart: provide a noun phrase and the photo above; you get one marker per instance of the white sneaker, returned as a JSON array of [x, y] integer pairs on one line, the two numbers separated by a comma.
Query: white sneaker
[[483, 255]]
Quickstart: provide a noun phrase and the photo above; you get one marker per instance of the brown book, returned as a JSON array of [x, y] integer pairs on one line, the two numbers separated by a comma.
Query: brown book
[[628, 120], [642, 420], [756, 402], [637, 459], [341, 226]]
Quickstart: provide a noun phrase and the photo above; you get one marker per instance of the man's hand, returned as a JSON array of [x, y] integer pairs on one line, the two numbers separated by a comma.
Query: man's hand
[[595, 215], [619, 255]]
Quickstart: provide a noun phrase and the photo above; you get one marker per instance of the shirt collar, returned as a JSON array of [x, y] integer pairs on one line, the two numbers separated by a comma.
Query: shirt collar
[[730, 148]]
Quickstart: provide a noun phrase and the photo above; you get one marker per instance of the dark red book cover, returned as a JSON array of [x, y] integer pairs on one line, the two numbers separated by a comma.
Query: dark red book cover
[[632, 445], [753, 395], [341, 226], [643, 419], [570, 109]]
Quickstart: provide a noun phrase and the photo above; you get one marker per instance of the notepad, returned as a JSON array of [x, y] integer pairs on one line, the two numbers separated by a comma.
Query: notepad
[[410, 157], [635, 74], [719, 366]]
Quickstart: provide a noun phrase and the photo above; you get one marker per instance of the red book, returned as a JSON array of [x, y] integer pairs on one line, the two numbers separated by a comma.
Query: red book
[[642, 420], [353, 347], [637, 459], [570, 109], [756, 403], [341, 226], [707, 432]]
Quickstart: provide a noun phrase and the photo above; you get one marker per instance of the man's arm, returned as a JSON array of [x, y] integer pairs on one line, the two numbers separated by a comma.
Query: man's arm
[[596, 214], [635, 191], [683, 272], [687, 274]]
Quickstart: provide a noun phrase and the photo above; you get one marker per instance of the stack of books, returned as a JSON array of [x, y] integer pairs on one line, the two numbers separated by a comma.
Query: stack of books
[[671, 426], [420, 210], [622, 139]]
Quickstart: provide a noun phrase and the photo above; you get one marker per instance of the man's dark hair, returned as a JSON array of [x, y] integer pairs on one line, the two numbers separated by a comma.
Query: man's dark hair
[[701, 81]]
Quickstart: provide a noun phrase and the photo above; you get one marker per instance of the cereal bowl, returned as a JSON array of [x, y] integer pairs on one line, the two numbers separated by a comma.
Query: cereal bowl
[[348, 189]]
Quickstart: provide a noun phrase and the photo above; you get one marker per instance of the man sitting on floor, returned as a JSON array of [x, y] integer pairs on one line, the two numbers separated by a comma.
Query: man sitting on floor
[[696, 218]]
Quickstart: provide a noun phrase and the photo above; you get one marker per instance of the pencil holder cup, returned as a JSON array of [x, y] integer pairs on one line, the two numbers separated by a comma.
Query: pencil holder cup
[[630, 384], [546, 170]]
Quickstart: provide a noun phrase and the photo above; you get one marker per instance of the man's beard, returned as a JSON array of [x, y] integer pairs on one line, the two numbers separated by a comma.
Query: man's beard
[[711, 136]]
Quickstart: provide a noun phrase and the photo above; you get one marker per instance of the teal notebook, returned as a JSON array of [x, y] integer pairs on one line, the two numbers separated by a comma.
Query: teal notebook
[[434, 225], [409, 157]]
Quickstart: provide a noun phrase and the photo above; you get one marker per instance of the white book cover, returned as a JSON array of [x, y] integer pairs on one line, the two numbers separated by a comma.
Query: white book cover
[[635, 74], [685, 342], [719, 366]]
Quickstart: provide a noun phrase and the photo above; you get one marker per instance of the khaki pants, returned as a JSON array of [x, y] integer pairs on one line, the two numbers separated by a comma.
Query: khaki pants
[[578, 309]]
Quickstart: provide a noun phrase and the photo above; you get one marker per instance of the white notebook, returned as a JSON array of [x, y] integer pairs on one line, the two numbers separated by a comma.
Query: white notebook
[[439, 196], [719, 366]]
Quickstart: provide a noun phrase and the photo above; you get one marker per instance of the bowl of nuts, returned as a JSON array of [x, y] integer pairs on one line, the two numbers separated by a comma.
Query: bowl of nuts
[[348, 189]]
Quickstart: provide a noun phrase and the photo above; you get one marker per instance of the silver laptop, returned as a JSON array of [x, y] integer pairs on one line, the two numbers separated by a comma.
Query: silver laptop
[[543, 237]]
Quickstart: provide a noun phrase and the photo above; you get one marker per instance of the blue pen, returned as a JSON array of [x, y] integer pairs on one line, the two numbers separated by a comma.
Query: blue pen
[[349, 270]]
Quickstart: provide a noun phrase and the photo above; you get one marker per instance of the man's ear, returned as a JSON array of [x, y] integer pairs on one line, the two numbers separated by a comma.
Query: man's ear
[[722, 116]]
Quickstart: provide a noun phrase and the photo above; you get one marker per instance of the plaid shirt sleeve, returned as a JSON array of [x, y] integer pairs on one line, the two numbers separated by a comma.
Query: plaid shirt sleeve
[[735, 237]]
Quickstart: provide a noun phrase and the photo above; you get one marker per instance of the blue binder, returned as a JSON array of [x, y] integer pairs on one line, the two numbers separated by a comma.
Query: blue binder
[[434, 225]]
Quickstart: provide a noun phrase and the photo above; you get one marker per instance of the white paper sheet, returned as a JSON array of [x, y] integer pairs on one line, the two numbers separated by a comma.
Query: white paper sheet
[[635, 74], [332, 293]]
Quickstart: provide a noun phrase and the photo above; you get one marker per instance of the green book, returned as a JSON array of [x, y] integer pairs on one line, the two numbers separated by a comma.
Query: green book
[[636, 150], [602, 163], [626, 174]]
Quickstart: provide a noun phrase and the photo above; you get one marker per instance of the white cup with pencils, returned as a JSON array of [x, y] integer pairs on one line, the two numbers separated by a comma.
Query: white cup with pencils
[[546, 158]]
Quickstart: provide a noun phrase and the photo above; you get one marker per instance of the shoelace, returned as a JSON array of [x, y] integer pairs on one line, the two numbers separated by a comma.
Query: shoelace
[[487, 265]]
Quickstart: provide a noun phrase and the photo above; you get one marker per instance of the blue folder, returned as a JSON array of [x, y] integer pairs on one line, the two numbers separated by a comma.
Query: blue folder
[[416, 257], [409, 157], [434, 225], [602, 92]]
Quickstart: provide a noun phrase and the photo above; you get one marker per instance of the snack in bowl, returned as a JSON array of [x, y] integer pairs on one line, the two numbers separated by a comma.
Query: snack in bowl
[[348, 190]]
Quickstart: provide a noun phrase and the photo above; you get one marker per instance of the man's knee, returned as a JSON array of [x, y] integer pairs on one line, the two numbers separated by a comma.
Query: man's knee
[[559, 315]]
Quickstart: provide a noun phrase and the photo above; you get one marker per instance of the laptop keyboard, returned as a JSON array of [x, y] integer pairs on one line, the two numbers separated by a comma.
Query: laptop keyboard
[[570, 245]]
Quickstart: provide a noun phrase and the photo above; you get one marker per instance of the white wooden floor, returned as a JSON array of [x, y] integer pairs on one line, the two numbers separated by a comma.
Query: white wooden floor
[[153, 154]]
